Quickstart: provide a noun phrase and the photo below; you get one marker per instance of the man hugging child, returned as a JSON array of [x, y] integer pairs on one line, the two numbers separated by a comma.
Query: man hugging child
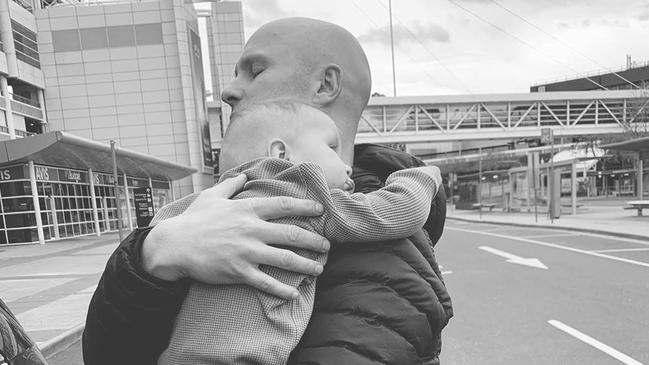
[[290, 149]]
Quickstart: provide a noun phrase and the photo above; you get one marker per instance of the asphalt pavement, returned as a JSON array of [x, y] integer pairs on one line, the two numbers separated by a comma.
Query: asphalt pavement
[[522, 295], [527, 295]]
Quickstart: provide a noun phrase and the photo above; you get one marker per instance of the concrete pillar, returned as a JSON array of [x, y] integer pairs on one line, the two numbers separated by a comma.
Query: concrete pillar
[[128, 205], [639, 176], [55, 219], [41, 102], [7, 36], [171, 189], [37, 207], [93, 196], [8, 110]]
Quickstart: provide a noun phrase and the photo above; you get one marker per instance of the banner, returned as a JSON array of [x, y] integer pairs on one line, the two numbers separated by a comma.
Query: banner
[[198, 83]]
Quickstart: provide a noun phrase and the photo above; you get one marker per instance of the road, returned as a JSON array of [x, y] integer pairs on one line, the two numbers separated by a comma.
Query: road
[[587, 303], [584, 300]]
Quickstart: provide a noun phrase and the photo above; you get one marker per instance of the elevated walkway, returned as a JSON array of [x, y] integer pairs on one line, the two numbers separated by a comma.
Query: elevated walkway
[[500, 116]]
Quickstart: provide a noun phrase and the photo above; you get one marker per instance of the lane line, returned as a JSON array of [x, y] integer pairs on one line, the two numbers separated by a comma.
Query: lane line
[[552, 235], [622, 250], [540, 243], [593, 342]]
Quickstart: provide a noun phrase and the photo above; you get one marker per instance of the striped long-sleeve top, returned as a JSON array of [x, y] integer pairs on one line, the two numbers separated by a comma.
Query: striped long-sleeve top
[[238, 324]]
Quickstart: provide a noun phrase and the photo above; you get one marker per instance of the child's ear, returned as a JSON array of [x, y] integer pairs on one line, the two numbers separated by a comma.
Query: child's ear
[[277, 148]]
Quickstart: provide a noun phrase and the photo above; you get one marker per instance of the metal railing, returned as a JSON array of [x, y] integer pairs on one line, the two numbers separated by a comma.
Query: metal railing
[[590, 73], [27, 5], [24, 100]]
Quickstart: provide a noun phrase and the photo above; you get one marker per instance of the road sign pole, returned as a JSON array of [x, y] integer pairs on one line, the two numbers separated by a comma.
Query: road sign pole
[[116, 187]]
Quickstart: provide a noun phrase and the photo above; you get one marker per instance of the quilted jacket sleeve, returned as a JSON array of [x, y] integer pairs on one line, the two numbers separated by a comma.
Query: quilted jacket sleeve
[[131, 313]]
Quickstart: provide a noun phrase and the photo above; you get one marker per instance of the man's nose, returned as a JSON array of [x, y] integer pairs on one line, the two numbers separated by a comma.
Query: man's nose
[[232, 95]]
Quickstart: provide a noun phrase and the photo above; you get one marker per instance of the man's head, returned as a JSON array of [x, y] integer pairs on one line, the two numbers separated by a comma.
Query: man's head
[[290, 131], [312, 61]]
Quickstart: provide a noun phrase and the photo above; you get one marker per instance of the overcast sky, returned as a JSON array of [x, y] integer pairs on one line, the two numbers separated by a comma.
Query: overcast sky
[[441, 48]]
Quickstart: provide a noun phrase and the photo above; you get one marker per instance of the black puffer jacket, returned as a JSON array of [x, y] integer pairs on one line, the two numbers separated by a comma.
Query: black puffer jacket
[[380, 303]]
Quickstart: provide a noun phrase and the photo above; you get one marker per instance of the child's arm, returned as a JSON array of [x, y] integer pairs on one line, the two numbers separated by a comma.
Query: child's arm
[[397, 210]]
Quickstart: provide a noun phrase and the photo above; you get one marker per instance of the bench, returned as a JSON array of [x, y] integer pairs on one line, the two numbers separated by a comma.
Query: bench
[[638, 205], [491, 206]]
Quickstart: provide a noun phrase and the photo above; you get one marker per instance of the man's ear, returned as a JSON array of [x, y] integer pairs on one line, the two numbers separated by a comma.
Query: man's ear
[[330, 85], [277, 148]]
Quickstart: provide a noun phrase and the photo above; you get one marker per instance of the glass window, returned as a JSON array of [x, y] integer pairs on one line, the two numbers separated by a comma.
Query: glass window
[[22, 235], [62, 233], [18, 204], [20, 220], [121, 36], [66, 40], [148, 33], [93, 38], [14, 188]]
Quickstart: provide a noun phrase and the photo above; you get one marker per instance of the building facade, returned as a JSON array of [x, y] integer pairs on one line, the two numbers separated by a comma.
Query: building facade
[[22, 82], [623, 78], [130, 72]]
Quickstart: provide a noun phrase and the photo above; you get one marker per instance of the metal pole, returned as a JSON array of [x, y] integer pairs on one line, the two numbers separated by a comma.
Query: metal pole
[[394, 76], [116, 187], [480, 181], [536, 210], [552, 187], [37, 206]]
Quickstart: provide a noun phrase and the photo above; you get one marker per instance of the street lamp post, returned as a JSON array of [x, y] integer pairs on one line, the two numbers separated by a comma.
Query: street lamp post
[[116, 188]]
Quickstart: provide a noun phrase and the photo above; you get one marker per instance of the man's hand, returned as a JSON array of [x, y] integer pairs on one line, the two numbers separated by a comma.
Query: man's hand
[[222, 241]]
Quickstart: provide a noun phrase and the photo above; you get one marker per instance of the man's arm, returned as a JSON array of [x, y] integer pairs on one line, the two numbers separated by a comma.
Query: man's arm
[[215, 240], [397, 210]]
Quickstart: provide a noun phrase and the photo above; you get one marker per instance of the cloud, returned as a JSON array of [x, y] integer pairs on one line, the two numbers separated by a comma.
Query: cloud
[[260, 12], [402, 35], [644, 16]]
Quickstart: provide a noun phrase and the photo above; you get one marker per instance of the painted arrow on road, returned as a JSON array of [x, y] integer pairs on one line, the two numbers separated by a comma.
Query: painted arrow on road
[[515, 259]]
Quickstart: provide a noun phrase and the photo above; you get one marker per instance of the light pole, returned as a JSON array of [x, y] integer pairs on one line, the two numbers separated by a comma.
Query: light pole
[[116, 188], [394, 76]]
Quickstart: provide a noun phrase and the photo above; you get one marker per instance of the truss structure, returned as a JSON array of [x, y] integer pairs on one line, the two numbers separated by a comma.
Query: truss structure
[[499, 116]]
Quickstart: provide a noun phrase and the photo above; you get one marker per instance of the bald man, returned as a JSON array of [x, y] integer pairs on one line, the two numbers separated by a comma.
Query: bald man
[[211, 239]]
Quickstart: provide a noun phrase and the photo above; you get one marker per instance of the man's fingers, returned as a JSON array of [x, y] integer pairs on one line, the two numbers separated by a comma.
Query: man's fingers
[[270, 285], [227, 188], [282, 206], [293, 236], [287, 260]]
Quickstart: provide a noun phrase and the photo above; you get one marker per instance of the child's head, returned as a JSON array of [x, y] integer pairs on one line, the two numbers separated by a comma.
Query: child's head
[[286, 130]]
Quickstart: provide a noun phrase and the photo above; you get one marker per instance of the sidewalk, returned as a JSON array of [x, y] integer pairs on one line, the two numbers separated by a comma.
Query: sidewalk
[[604, 217], [48, 287]]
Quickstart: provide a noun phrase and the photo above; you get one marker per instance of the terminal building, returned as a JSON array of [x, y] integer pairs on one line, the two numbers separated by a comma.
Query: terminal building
[[76, 74]]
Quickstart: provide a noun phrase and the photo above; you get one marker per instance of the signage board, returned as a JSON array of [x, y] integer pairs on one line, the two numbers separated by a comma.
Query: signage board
[[546, 136], [143, 206]]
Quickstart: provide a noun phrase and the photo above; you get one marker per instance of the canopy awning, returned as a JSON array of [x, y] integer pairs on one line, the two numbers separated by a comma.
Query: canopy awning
[[63, 149], [636, 145]]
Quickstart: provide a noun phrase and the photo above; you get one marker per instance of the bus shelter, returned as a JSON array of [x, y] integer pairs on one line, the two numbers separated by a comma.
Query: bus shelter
[[640, 148]]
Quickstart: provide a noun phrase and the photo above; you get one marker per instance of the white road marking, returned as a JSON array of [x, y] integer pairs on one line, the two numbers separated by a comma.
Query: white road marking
[[593, 342], [615, 258], [515, 259], [553, 235], [446, 272], [623, 250]]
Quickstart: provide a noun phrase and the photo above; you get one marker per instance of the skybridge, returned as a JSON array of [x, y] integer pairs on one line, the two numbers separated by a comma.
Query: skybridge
[[502, 116]]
